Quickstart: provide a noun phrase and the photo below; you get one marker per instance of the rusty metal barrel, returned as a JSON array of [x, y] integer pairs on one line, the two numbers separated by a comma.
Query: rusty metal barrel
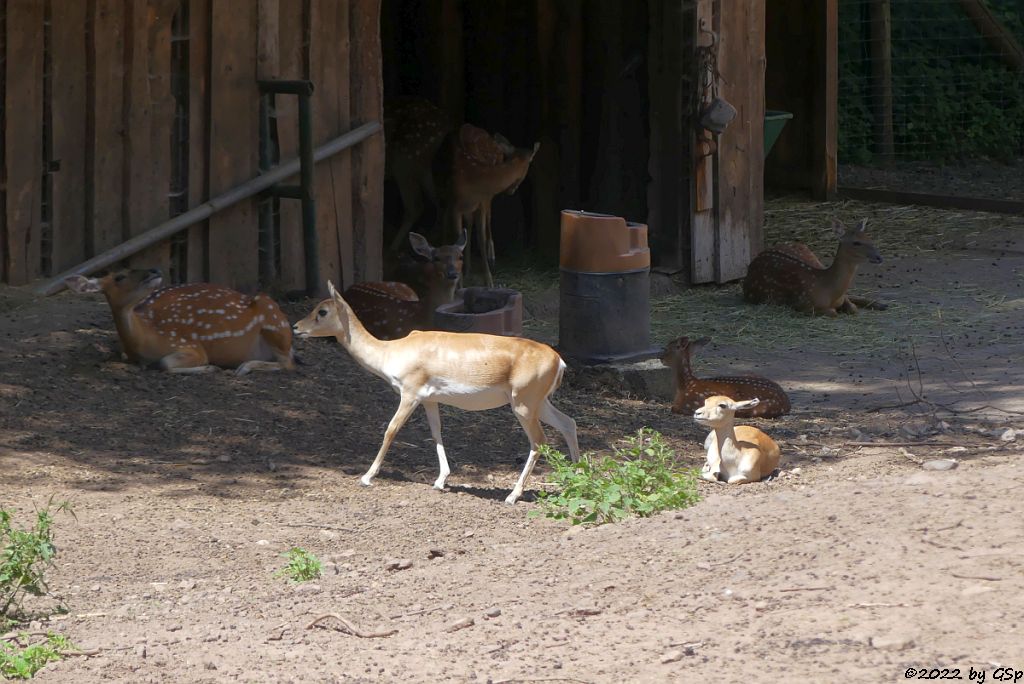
[[604, 314]]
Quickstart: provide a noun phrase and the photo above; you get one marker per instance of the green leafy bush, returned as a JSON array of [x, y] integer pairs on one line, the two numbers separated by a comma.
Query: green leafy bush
[[302, 566], [18, 662], [640, 478], [27, 555]]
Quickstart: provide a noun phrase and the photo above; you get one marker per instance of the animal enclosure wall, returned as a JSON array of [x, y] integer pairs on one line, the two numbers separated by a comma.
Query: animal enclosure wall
[[120, 114], [610, 90]]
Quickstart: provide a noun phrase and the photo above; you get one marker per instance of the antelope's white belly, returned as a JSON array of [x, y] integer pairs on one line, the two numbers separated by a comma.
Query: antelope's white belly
[[466, 397]]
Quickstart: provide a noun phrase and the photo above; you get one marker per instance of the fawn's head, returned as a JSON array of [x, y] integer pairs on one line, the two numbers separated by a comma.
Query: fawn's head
[[856, 242], [720, 411], [123, 289], [329, 318], [680, 350], [444, 263]]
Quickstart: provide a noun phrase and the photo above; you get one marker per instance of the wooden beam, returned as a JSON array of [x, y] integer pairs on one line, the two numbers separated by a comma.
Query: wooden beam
[[149, 116], [68, 106], [367, 90], [325, 57], [106, 142], [880, 41], [23, 107], [942, 201], [234, 131], [293, 55], [826, 95], [198, 267], [736, 158], [995, 33]]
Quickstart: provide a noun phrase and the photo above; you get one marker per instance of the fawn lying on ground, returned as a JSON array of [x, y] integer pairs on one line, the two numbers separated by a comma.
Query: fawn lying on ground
[[691, 391], [735, 454]]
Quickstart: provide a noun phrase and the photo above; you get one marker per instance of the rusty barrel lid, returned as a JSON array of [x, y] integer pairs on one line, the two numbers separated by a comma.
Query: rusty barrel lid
[[602, 243]]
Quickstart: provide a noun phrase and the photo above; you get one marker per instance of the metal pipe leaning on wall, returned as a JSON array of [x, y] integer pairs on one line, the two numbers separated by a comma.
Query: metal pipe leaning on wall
[[207, 209]]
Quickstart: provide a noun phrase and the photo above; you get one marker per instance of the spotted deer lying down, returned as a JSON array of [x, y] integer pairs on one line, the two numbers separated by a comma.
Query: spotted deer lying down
[[690, 391], [192, 328], [736, 454], [792, 275]]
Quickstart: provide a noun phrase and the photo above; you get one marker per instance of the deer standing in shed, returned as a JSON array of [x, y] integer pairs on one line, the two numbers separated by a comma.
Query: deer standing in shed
[[476, 167], [735, 454], [391, 310], [192, 328], [471, 371], [793, 276], [461, 170], [691, 391]]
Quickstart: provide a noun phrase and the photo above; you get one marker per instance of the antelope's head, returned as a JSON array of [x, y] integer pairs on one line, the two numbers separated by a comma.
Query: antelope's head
[[720, 411], [329, 318]]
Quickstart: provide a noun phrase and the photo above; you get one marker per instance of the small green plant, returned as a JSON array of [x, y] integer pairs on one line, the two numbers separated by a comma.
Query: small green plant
[[22, 662], [639, 479], [27, 555], [302, 566]]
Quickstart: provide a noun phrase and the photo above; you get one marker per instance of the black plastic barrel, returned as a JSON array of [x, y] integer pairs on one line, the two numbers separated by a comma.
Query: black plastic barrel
[[604, 314]]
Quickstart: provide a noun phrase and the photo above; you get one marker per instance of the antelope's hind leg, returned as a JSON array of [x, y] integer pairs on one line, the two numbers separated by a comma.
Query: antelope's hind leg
[[564, 424], [434, 419], [531, 426]]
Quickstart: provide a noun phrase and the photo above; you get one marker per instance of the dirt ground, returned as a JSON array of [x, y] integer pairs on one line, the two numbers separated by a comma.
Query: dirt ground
[[854, 564]]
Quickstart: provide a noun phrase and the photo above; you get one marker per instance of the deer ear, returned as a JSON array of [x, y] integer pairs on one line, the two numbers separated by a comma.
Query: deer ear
[[81, 284], [421, 246], [536, 147], [749, 403], [862, 226], [838, 228], [507, 148], [331, 290], [461, 242]]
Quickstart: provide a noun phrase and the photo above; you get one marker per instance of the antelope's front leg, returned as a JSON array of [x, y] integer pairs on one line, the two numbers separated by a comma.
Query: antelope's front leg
[[405, 408], [712, 468]]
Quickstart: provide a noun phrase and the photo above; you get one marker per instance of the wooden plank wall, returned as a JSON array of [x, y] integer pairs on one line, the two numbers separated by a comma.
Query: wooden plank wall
[[739, 195], [106, 105]]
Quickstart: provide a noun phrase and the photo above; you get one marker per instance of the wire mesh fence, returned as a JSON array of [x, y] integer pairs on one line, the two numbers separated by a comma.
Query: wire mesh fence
[[931, 96]]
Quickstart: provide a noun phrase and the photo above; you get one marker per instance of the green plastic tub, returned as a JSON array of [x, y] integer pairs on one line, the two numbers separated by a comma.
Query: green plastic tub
[[774, 122]]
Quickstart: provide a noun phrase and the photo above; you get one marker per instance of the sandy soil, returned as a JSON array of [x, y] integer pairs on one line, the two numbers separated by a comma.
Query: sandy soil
[[855, 564]]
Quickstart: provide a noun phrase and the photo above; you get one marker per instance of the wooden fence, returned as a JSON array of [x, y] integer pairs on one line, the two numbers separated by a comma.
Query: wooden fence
[[120, 114]]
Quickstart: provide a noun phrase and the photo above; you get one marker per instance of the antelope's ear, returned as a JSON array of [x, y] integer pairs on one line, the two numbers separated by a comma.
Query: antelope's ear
[[749, 403], [702, 342], [461, 242], [862, 226], [81, 284], [421, 246], [332, 291], [838, 228]]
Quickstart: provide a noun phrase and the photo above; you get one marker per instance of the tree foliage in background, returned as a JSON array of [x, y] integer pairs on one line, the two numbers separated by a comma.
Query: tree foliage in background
[[953, 98]]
